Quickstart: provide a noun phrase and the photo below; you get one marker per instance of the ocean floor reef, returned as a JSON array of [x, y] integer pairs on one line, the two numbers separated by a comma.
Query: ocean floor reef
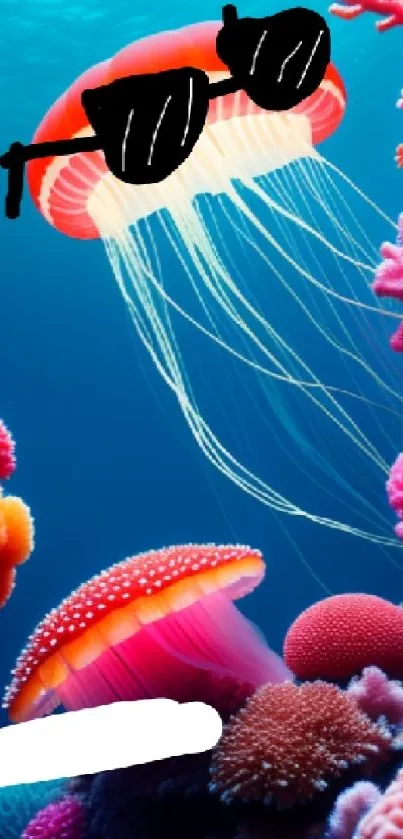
[[318, 755]]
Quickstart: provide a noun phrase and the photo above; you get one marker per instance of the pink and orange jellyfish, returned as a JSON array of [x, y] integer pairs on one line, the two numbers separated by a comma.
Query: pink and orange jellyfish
[[260, 257], [16, 523], [160, 624]]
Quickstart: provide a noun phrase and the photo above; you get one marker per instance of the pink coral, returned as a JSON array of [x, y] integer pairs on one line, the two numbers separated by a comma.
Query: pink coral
[[393, 9], [389, 278], [389, 274], [340, 635], [385, 819], [289, 742], [65, 818], [350, 807], [396, 341], [394, 489], [394, 486], [377, 695], [7, 458]]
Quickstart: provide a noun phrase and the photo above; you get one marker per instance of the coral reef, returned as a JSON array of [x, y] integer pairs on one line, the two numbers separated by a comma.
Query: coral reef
[[16, 522], [296, 761]]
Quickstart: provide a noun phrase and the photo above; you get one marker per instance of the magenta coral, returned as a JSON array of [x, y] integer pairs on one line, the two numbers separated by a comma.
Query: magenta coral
[[350, 807], [389, 274], [394, 485], [7, 458], [385, 819], [393, 9], [394, 489], [377, 695], [289, 742], [65, 818], [389, 278]]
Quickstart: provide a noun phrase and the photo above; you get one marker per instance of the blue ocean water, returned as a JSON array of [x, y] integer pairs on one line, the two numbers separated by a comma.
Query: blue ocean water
[[105, 459]]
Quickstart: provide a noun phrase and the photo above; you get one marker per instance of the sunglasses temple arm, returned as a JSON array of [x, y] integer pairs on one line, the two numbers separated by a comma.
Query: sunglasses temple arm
[[17, 156], [229, 14], [223, 87]]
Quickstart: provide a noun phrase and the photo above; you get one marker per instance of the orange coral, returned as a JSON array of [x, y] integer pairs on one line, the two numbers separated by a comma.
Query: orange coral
[[16, 541], [7, 584], [17, 530]]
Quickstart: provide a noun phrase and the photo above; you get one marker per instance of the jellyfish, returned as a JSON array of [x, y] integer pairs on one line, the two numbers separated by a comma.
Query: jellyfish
[[251, 261], [159, 624]]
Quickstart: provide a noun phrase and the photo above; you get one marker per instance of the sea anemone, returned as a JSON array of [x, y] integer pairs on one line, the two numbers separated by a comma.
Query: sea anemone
[[289, 742], [64, 819], [337, 637], [159, 624], [7, 457]]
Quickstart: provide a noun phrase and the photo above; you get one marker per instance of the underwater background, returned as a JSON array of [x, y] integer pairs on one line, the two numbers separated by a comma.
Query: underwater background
[[105, 458], [106, 461]]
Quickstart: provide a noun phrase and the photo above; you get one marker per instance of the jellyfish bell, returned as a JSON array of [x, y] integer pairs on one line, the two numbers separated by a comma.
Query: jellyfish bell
[[160, 624], [80, 197]]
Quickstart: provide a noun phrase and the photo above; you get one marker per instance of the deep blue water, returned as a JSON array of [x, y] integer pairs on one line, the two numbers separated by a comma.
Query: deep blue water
[[105, 459]]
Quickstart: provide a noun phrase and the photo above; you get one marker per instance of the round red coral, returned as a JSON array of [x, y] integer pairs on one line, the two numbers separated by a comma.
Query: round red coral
[[289, 742], [65, 819], [7, 458], [339, 636]]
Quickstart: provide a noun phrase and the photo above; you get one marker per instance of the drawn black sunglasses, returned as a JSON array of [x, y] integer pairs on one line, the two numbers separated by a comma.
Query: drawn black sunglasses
[[147, 125]]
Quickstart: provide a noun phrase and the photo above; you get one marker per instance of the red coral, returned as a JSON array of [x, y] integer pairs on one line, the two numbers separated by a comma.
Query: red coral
[[339, 636], [7, 458], [289, 742]]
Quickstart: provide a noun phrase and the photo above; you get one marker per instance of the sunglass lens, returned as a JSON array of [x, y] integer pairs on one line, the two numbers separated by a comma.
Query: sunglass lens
[[148, 125], [278, 60]]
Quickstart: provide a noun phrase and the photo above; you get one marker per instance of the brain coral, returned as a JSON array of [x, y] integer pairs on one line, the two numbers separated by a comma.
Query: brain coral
[[339, 636], [288, 742]]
